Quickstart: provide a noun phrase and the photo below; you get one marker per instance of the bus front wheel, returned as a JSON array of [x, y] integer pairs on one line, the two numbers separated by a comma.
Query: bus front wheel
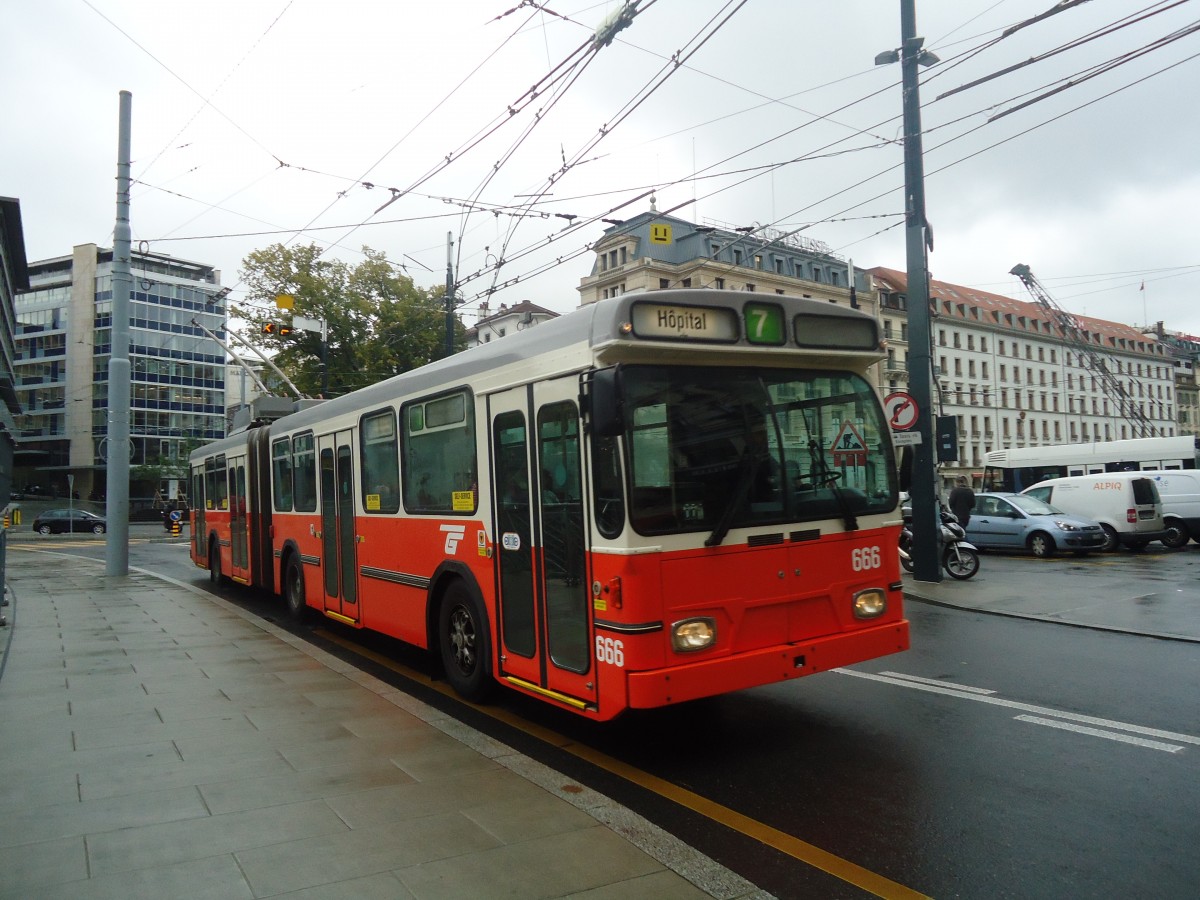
[[463, 643], [214, 564]]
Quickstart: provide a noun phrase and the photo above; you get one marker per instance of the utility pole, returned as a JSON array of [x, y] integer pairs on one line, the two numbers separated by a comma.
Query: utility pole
[[116, 505], [927, 530], [449, 293]]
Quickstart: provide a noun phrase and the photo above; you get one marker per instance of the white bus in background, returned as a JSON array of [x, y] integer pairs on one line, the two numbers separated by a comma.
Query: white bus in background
[[1015, 470]]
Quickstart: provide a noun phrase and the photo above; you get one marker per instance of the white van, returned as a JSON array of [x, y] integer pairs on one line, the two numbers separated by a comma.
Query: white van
[[1126, 504], [1180, 492]]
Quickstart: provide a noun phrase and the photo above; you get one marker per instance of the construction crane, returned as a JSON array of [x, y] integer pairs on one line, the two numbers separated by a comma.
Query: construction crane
[[1073, 331]]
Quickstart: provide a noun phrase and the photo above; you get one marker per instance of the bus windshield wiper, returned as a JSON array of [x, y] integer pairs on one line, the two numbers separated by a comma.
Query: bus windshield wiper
[[748, 463]]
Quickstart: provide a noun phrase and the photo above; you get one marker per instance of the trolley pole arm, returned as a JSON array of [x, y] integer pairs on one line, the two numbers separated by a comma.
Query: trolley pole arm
[[274, 368], [241, 362]]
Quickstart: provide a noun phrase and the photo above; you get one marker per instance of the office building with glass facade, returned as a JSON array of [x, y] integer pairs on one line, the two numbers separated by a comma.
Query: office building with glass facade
[[62, 347]]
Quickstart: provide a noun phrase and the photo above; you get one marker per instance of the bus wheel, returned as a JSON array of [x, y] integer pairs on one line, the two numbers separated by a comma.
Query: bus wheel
[[293, 588], [214, 564], [463, 643]]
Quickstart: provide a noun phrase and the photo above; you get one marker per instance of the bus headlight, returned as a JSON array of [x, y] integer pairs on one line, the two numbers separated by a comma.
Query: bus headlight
[[870, 603], [688, 635]]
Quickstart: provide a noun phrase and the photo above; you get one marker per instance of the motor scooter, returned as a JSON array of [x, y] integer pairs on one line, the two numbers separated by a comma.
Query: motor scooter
[[960, 558]]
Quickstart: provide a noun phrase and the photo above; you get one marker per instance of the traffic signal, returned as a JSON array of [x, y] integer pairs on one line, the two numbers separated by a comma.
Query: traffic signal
[[270, 328], [284, 330]]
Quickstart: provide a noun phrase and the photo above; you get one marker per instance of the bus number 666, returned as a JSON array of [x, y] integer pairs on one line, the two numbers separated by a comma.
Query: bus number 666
[[611, 651], [864, 558]]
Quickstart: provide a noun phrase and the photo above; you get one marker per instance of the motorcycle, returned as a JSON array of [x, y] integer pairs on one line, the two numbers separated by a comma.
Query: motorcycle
[[960, 558]]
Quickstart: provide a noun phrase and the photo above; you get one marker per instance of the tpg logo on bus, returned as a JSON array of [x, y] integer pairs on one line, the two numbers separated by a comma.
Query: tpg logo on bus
[[454, 534]]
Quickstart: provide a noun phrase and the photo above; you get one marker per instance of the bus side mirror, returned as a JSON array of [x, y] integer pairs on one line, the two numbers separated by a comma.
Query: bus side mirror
[[607, 403]]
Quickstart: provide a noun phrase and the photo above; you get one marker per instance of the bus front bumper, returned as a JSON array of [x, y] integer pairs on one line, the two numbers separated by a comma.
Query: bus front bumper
[[718, 675]]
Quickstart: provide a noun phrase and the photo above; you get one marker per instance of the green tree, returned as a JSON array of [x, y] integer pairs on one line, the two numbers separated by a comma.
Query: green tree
[[378, 322]]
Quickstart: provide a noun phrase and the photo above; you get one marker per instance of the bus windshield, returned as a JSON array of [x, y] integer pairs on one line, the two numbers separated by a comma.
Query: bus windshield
[[713, 448]]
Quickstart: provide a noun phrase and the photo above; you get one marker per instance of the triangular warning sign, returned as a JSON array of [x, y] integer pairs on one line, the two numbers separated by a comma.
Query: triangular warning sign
[[849, 448]]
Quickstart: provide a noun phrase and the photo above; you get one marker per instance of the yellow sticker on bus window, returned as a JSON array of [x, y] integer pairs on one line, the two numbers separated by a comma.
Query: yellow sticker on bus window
[[463, 501], [372, 502]]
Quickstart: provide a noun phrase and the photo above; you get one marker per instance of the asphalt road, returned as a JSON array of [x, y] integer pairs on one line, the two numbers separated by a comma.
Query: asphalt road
[[999, 757]]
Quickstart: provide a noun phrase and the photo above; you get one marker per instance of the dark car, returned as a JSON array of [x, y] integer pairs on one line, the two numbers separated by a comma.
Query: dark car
[[1021, 522], [56, 521]]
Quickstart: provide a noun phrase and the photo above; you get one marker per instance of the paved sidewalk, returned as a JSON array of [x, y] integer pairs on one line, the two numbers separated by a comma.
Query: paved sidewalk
[[156, 741], [1100, 597]]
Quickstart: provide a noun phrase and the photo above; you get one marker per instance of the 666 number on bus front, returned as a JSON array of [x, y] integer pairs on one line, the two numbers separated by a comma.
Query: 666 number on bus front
[[863, 559]]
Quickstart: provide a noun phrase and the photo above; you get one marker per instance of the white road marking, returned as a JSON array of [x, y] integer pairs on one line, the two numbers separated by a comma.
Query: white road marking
[[968, 693], [938, 682], [1097, 732]]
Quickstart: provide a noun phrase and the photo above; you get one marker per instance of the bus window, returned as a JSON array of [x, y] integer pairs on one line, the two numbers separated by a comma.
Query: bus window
[[380, 463], [281, 475], [304, 473], [606, 486], [439, 455]]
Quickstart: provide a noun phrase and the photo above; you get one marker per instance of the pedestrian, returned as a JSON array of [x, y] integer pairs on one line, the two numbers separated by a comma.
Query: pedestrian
[[962, 500]]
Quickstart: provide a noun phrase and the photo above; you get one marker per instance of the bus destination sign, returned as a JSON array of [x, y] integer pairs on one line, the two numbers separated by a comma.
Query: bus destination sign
[[684, 323]]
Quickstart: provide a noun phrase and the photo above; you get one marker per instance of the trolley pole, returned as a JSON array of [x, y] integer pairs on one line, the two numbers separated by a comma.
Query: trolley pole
[[117, 503], [449, 293], [927, 530]]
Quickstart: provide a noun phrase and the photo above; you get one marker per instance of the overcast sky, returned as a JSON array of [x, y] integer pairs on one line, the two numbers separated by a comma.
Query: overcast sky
[[259, 121]]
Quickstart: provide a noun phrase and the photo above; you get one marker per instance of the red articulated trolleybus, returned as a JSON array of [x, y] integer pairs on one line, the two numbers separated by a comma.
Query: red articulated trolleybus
[[654, 498]]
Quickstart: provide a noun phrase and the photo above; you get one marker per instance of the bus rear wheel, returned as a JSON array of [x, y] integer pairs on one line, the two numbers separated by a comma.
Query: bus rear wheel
[[463, 643], [214, 564], [293, 588]]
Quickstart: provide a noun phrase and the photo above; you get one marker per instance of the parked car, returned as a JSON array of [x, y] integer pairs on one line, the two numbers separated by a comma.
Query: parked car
[[1126, 504], [56, 521], [1180, 492], [1021, 522]]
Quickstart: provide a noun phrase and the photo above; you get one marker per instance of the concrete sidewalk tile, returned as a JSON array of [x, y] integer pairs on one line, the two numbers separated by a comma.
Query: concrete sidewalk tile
[[44, 823], [96, 784], [27, 869], [173, 842], [128, 734], [384, 886], [547, 867], [381, 808], [538, 815], [316, 861], [73, 761], [214, 878], [664, 885], [37, 790], [254, 790]]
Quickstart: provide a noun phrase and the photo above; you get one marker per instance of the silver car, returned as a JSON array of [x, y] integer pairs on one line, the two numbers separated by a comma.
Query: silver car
[[1021, 522]]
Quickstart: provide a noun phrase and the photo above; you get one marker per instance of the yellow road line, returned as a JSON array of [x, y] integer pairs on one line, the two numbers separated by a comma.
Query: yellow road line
[[803, 851]]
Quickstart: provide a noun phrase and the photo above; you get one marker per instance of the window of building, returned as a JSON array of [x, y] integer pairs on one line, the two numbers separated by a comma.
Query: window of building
[[664, 283], [687, 282], [720, 282], [941, 337], [970, 342]]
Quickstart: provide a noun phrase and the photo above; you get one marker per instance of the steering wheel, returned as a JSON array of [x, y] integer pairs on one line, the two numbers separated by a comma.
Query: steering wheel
[[815, 478]]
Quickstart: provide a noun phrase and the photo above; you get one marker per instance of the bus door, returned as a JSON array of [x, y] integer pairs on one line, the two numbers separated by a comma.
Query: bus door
[[199, 527], [239, 547], [544, 626], [339, 561]]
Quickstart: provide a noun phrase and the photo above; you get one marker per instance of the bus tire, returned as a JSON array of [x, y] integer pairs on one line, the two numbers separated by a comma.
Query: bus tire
[[214, 564], [463, 643], [293, 589]]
